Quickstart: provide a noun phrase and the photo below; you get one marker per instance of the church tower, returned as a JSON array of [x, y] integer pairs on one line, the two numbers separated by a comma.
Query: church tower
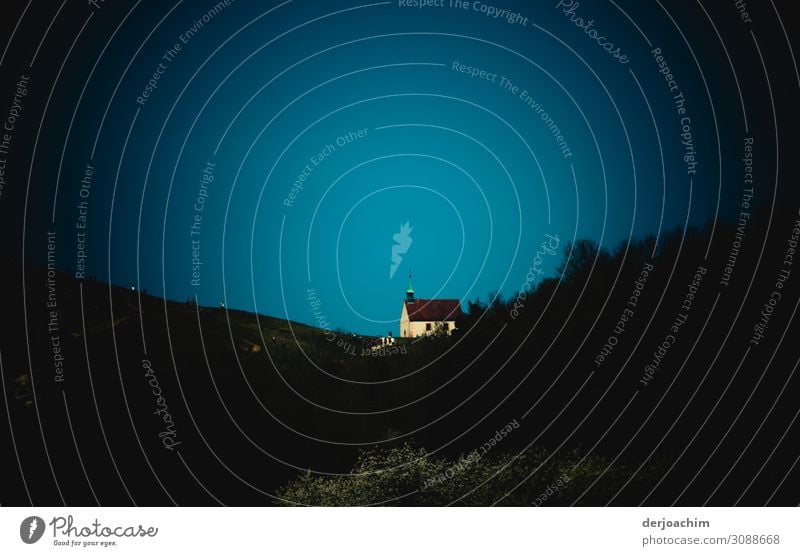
[[426, 317]]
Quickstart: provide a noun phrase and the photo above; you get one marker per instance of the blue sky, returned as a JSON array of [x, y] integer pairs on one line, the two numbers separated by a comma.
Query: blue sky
[[467, 161]]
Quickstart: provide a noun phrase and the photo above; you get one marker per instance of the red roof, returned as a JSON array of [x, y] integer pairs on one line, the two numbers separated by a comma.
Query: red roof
[[435, 310]]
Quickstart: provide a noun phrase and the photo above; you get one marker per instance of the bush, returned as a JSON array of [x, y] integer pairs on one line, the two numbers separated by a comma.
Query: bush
[[408, 476]]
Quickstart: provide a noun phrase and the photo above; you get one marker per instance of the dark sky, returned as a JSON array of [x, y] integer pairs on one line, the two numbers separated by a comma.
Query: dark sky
[[294, 140]]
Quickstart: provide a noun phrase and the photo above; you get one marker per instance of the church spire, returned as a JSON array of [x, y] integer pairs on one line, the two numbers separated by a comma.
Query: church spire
[[410, 290]]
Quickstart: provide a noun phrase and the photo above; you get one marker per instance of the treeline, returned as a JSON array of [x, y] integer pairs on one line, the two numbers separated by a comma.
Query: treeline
[[632, 372]]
